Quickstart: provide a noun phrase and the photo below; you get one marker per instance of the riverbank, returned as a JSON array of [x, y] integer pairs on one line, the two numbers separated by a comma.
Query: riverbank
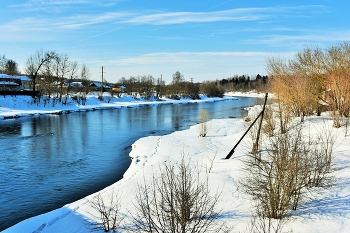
[[328, 212], [23, 106]]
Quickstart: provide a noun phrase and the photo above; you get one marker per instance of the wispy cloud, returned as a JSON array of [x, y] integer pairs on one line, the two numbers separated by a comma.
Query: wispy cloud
[[64, 23], [184, 57], [199, 17], [59, 5], [303, 38], [78, 20], [238, 14]]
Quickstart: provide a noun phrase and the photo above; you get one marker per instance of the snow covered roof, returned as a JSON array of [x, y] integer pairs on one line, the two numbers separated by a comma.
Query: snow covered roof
[[21, 77], [75, 84], [8, 83], [98, 84]]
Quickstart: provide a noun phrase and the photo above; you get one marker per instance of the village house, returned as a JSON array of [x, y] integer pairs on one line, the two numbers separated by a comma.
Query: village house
[[14, 82]]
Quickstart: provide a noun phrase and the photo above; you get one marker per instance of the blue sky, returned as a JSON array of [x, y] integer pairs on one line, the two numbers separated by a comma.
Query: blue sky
[[203, 40]]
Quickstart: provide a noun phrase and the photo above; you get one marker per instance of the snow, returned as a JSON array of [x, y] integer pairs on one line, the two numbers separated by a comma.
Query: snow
[[8, 83], [327, 211], [24, 106], [21, 77]]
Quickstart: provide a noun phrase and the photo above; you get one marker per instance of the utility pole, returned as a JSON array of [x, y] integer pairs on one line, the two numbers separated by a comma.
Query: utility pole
[[102, 83], [159, 86]]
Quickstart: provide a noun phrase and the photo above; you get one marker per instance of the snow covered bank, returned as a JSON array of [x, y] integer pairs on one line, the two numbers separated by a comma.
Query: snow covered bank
[[246, 94], [329, 211], [22, 106]]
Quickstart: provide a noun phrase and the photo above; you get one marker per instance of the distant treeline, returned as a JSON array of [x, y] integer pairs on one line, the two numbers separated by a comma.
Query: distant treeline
[[244, 83], [148, 86]]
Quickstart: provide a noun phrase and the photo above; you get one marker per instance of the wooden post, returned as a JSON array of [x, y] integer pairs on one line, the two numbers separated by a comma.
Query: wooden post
[[233, 149], [256, 144]]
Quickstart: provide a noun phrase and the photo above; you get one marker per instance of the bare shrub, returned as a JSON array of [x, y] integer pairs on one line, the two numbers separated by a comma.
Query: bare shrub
[[253, 114], [203, 125], [284, 116], [175, 201], [210, 165], [108, 213], [269, 125], [80, 98], [261, 224], [276, 180], [322, 157]]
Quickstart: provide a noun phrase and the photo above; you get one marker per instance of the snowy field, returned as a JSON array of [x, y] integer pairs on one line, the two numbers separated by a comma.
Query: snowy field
[[326, 211]]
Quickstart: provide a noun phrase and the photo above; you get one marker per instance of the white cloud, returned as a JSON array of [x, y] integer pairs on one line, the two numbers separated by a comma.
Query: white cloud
[[181, 57], [199, 17], [79, 20], [64, 23], [59, 5], [238, 14], [303, 38]]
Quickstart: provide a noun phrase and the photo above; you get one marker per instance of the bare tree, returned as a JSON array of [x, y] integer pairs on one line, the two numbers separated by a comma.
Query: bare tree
[[177, 82], [338, 83], [62, 63], [47, 78], [108, 215], [313, 75], [35, 63], [85, 81], [176, 201], [159, 86], [72, 73], [147, 83], [3, 61]]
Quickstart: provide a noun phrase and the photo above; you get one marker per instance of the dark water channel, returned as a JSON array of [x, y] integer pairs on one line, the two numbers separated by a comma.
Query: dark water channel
[[48, 161]]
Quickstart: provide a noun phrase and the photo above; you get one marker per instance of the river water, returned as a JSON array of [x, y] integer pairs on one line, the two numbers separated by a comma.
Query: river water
[[50, 160]]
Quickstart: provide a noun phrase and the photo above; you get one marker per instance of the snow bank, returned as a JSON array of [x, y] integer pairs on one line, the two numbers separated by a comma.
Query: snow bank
[[22, 106]]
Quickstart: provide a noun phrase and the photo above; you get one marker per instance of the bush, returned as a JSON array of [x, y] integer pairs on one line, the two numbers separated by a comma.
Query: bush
[[108, 214], [211, 89], [175, 201], [277, 179]]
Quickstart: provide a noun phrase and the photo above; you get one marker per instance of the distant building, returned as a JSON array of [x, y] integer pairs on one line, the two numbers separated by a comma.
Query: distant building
[[119, 89], [14, 82], [95, 85]]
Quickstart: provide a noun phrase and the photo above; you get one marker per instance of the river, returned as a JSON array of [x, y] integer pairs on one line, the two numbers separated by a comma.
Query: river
[[50, 160]]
